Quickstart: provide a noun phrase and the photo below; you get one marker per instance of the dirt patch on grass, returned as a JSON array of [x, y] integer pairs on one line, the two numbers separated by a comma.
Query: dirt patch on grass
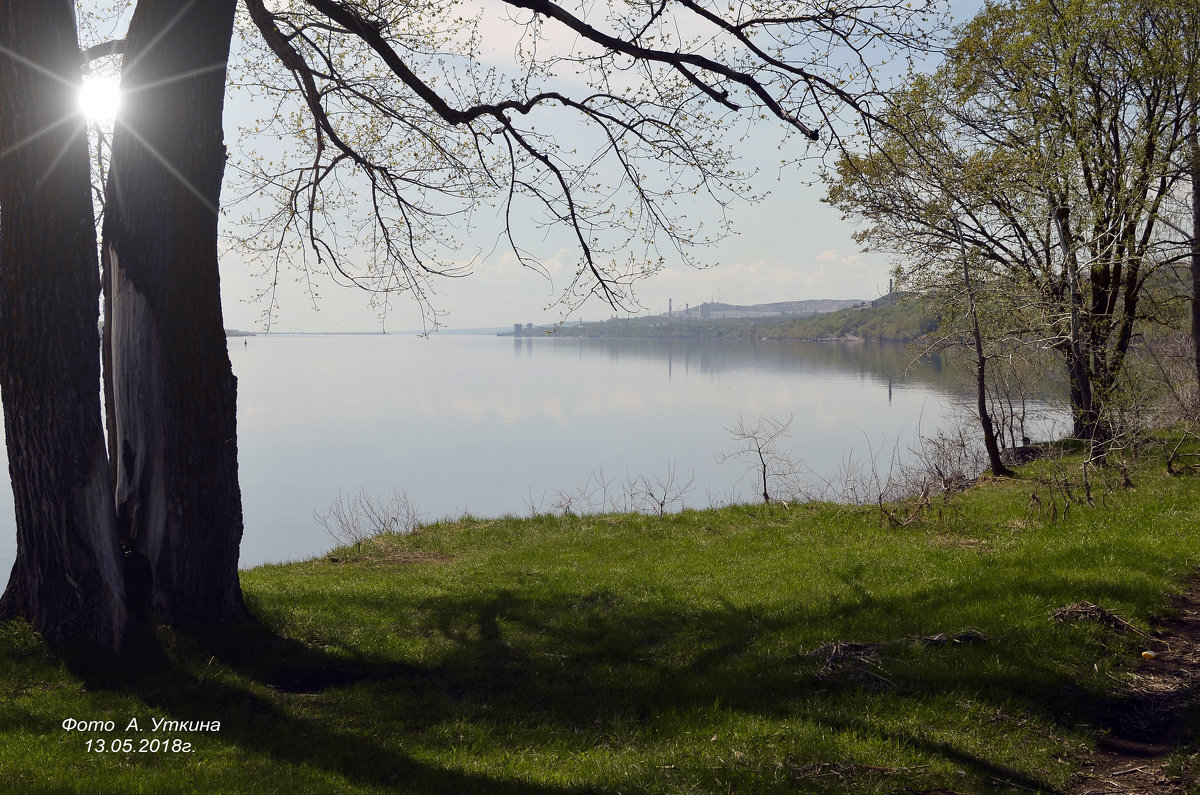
[[975, 544], [1149, 718]]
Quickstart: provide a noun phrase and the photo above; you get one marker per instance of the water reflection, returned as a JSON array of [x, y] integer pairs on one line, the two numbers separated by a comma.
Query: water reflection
[[882, 362], [493, 425]]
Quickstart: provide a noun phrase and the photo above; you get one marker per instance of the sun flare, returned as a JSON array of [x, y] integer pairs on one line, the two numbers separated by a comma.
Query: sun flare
[[100, 98]]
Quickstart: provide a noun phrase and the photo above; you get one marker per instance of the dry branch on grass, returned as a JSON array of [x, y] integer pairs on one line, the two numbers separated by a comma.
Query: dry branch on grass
[[1086, 611], [844, 770], [858, 662]]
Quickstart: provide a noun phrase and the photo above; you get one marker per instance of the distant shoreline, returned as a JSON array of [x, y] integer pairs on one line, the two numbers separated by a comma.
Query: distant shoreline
[[889, 319]]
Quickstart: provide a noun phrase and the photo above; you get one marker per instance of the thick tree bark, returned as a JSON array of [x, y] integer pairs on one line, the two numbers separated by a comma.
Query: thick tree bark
[[1195, 147], [68, 576], [172, 388]]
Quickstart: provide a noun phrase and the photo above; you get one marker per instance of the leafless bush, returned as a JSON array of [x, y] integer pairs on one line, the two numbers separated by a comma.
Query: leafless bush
[[1065, 484], [1155, 392], [1173, 361], [1025, 390], [717, 500], [852, 484], [759, 448], [652, 494], [903, 488], [657, 494], [886, 488], [594, 496], [352, 520], [534, 505], [1022, 382], [947, 462]]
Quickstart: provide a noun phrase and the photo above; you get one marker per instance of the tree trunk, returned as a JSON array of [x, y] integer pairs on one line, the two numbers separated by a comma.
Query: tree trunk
[[1195, 147], [1083, 405], [68, 576], [985, 419], [172, 388]]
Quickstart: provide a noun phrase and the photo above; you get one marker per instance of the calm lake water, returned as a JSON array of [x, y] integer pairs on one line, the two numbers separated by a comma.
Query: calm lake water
[[491, 425]]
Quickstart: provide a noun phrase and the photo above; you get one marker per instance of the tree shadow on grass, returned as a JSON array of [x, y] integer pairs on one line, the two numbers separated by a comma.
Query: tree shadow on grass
[[614, 660], [573, 671], [589, 667], [160, 670]]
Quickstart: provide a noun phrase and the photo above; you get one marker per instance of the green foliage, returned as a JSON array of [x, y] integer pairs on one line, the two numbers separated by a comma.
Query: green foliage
[[625, 653], [1045, 160], [884, 319]]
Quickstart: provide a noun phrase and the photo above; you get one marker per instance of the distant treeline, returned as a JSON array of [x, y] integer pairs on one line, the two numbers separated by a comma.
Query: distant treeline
[[888, 318]]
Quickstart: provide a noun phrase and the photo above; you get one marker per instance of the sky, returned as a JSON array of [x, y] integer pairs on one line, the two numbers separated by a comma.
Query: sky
[[789, 246]]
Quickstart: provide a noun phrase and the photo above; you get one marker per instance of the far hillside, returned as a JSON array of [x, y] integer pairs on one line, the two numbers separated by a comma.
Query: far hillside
[[891, 318], [719, 311]]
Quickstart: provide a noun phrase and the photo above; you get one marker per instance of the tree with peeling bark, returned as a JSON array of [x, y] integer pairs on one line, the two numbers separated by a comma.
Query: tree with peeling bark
[[170, 386], [387, 100]]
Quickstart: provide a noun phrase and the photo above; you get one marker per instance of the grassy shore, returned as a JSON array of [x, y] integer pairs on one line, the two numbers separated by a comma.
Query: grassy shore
[[749, 649]]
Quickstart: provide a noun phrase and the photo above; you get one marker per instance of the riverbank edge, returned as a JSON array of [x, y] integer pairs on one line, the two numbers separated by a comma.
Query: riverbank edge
[[480, 616]]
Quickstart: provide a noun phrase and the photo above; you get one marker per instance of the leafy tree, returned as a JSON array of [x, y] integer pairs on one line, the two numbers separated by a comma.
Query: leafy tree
[[1050, 141], [392, 103]]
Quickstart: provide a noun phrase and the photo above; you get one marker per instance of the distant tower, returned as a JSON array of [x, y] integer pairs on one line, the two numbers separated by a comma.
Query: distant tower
[[889, 286], [516, 329], [670, 307]]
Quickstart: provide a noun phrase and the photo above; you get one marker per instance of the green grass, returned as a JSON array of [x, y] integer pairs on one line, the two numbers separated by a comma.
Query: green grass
[[634, 654]]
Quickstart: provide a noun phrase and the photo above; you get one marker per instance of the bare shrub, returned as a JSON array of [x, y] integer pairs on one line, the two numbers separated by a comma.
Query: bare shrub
[[1173, 364], [946, 463], [534, 504], [596, 495], [353, 520], [1024, 386], [851, 484], [649, 494], [759, 448], [1171, 360], [937, 466], [656, 494], [717, 500]]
